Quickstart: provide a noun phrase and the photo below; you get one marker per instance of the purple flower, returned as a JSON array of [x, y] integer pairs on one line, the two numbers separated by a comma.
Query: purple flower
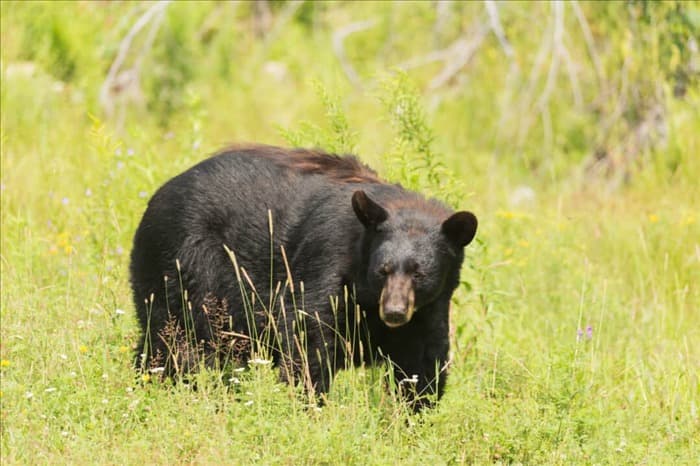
[[130, 151], [65, 201], [588, 333]]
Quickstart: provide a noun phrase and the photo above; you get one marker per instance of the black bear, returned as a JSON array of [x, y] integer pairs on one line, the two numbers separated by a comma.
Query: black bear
[[306, 255]]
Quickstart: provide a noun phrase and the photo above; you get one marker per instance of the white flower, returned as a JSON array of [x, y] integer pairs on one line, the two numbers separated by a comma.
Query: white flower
[[260, 361]]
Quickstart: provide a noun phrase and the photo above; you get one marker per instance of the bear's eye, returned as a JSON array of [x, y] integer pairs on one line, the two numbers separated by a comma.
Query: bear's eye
[[385, 269]]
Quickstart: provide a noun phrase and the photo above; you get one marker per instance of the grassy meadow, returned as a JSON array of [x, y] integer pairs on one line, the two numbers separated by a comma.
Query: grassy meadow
[[572, 131]]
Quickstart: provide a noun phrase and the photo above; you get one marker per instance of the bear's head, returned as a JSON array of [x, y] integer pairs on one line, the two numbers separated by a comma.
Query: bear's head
[[414, 253]]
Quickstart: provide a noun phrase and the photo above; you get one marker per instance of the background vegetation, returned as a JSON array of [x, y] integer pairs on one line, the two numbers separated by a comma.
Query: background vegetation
[[571, 129]]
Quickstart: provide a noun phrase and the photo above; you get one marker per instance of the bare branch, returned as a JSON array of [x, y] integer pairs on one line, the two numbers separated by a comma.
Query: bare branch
[[118, 80], [339, 37], [283, 18], [458, 55], [497, 29], [557, 38], [590, 45], [573, 76]]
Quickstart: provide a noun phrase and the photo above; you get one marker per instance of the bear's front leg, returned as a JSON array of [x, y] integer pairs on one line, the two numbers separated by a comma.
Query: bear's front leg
[[419, 354]]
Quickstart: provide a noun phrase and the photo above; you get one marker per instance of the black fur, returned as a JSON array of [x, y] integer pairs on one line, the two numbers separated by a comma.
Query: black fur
[[341, 227]]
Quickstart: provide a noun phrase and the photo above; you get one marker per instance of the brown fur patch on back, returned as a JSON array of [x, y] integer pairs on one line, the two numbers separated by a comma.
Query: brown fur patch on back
[[343, 169], [418, 203]]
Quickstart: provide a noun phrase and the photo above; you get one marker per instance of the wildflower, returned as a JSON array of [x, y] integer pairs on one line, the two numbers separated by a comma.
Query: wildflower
[[83, 349], [653, 218], [119, 312], [143, 194], [123, 349], [119, 251], [118, 151], [4, 363], [88, 192], [145, 378], [259, 361], [130, 151], [689, 220], [524, 243], [588, 333], [120, 165], [65, 201]]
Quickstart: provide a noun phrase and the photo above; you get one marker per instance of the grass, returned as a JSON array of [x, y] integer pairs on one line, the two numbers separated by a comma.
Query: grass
[[576, 330]]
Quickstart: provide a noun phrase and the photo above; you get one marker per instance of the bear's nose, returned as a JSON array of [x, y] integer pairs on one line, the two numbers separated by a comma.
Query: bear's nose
[[395, 316]]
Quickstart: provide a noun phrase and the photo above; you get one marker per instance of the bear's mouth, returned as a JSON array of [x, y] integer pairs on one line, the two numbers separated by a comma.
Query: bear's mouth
[[397, 301]]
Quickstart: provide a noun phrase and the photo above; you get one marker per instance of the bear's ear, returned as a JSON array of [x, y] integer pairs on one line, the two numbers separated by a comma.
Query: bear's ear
[[460, 228], [369, 212]]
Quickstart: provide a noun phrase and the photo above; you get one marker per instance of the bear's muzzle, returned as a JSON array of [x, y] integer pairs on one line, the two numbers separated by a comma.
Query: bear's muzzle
[[397, 300]]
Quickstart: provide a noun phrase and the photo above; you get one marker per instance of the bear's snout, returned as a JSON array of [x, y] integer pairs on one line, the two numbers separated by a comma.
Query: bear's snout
[[397, 300]]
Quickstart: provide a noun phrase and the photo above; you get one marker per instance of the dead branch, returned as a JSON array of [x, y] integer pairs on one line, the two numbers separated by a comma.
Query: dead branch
[[339, 37], [495, 23], [458, 55], [121, 81], [283, 18], [590, 45]]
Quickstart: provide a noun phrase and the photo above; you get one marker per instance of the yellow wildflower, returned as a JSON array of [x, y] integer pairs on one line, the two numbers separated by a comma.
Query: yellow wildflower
[[4, 363], [83, 349], [145, 378], [505, 214], [653, 218]]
